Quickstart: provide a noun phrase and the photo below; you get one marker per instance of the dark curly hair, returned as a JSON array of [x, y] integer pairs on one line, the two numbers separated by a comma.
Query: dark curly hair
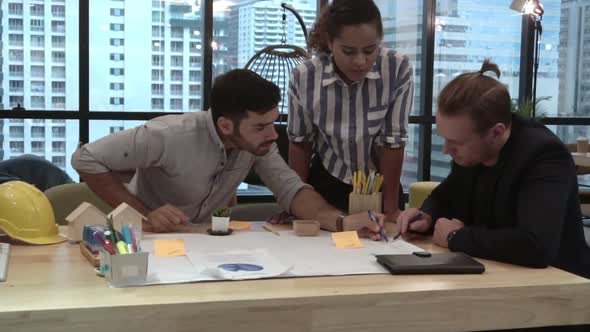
[[339, 14]]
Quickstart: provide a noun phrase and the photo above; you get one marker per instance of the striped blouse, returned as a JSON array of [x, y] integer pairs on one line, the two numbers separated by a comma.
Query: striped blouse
[[345, 122]]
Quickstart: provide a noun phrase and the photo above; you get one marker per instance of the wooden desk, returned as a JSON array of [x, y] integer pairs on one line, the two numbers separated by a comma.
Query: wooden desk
[[53, 288]]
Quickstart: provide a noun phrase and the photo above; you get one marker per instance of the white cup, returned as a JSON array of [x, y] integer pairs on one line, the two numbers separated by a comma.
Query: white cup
[[582, 144], [219, 224]]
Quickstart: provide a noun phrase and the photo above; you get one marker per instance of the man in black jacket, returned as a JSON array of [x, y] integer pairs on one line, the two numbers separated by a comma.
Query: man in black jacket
[[512, 194]]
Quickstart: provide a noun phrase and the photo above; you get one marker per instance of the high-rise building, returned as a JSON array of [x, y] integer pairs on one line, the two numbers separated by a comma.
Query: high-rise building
[[35, 76], [574, 64]]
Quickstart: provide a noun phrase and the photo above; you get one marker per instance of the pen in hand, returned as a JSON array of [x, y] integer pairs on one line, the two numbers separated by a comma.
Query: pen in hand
[[381, 230], [416, 218]]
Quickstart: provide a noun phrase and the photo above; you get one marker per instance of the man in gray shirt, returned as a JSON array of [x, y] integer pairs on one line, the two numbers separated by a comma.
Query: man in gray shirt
[[188, 165]]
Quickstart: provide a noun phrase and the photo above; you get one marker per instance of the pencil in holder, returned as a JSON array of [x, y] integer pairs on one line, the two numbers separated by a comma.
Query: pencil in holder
[[363, 202]]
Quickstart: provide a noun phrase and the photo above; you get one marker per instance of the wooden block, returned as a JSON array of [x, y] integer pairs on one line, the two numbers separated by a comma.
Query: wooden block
[[126, 215], [92, 258], [84, 214], [306, 227]]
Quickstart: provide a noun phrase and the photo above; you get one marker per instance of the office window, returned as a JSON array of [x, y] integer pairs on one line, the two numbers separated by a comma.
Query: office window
[[38, 132], [16, 39], [194, 61], [176, 104], [16, 101], [15, 55], [157, 17], [17, 147], [37, 25], [16, 86], [58, 11], [17, 132], [157, 31], [177, 32], [58, 132], [58, 72], [157, 75], [58, 56], [176, 89], [58, 41], [113, 130], [58, 87], [15, 24], [37, 147], [37, 86], [176, 46], [58, 26], [157, 104], [157, 45], [37, 41], [117, 42], [117, 27], [117, 71], [15, 70], [15, 8], [176, 75], [157, 60], [194, 76], [117, 12], [58, 147], [117, 101], [38, 102], [59, 161], [37, 10], [158, 89], [58, 102], [38, 71], [38, 56], [194, 104], [117, 86], [176, 60], [117, 56], [194, 90]]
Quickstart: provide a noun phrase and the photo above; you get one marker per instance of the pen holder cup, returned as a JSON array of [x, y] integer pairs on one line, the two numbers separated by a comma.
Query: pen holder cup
[[124, 269], [362, 203]]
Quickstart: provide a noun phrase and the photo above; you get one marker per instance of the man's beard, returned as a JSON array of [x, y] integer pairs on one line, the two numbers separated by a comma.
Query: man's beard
[[242, 144]]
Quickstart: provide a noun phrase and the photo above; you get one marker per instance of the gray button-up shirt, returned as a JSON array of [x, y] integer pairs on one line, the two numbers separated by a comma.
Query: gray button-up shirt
[[180, 160]]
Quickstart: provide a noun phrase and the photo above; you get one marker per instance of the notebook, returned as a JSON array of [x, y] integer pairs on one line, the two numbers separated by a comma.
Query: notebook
[[426, 263]]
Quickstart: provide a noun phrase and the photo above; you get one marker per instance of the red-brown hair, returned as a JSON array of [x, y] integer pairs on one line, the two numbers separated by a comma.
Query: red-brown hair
[[484, 98]]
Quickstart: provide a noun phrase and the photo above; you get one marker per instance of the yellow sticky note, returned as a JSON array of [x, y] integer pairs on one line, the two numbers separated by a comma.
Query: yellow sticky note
[[169, 247], [347, 240], [239, 225]]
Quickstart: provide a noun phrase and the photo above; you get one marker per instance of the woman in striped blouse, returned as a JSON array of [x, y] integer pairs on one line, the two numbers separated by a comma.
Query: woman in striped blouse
[[349, 105]]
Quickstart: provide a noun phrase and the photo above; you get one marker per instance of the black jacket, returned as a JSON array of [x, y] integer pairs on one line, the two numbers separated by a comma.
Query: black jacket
[[528, 211]]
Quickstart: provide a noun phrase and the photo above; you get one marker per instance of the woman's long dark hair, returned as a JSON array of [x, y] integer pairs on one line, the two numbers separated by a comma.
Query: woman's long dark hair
[[339, 14]]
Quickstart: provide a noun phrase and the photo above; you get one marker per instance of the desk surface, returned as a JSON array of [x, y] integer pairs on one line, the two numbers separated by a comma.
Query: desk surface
[[53, 288]]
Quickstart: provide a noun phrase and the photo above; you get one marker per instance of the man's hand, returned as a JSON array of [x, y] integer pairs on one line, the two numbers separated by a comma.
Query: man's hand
[[442, 228], [413, 220], [538, 11], [164, 219], [280, 218], [364, 226]]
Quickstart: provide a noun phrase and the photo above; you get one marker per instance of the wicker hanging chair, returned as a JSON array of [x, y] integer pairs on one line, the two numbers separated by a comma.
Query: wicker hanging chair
[[275, 62]]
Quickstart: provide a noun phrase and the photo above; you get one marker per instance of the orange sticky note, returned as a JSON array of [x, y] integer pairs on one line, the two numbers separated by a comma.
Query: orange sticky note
[[239, 225], [169, 247], [347, 240]]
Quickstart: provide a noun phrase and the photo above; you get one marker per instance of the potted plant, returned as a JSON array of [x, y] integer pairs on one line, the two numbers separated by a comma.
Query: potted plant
[[220, 220]]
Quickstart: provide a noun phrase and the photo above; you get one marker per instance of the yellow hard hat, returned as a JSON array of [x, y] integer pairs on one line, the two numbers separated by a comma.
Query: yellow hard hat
[[26, 214]]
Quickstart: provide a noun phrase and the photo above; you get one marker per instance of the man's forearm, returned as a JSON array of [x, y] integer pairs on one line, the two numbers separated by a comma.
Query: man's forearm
[[308, 204], [109, 187]]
